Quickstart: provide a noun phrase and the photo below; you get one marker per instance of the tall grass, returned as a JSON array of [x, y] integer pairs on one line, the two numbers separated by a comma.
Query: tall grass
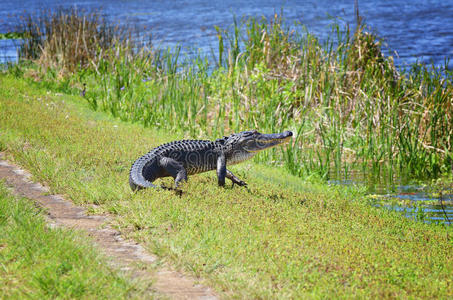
[[346, 101], [69, 39]]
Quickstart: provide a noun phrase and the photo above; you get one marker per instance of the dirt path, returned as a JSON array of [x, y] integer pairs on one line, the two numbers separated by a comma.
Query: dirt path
[[127, 255]]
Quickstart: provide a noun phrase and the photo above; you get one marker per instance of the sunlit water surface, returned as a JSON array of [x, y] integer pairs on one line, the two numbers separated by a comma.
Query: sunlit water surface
[[418, 30], [418, 201]]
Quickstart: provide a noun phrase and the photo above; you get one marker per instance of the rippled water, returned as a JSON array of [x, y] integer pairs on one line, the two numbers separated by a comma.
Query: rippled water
[[419, 205], [417, 201], [417, 30]]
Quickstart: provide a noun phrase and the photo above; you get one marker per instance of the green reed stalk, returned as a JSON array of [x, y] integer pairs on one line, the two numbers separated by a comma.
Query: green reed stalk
[[346, 101]]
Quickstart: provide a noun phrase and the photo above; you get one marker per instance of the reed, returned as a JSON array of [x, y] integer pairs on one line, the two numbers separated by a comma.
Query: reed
[[347, 102], [68, 39]]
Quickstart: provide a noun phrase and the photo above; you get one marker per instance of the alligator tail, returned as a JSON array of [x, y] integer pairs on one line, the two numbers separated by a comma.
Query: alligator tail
[[136, 179]]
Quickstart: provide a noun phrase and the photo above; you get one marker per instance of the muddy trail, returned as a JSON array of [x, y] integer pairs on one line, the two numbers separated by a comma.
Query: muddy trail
[[125, 255]]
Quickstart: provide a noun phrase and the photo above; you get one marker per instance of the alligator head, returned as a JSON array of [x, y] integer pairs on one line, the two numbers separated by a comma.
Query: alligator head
[[246, 144]]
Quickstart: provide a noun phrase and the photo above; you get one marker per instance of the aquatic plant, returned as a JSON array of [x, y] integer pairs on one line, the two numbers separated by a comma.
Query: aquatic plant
[[346, 101], [68, 39], [12, 35]]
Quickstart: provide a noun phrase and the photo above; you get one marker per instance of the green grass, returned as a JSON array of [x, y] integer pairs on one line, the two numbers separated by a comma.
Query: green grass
[[39, 262], [282, 238]]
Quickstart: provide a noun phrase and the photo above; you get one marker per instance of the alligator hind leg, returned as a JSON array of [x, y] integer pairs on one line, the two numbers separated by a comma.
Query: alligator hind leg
[[234, 179], [174, 168]]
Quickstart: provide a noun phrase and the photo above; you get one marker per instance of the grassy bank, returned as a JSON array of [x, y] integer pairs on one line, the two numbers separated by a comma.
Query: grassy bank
[[37, 262], [347, 103], [282, 238]]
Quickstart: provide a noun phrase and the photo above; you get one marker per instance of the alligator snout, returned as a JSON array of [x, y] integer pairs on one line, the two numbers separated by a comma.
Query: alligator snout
[[287, 134]]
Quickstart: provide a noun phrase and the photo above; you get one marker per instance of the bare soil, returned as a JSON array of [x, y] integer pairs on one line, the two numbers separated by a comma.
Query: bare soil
[[126, 255]]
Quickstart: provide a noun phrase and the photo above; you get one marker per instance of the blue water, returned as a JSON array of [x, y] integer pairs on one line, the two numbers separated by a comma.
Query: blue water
[[414, 200], [418, 30]]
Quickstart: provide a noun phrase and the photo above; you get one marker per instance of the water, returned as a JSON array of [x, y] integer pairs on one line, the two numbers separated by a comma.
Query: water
[[413, 30], [419, 30], [417, 204], [430, 204]]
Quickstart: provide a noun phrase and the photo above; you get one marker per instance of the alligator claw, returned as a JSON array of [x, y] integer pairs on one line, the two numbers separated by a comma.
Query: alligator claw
[[240, 183], [177, 191]]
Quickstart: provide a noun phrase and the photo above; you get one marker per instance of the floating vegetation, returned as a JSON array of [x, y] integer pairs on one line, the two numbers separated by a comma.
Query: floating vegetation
[[13, 36]]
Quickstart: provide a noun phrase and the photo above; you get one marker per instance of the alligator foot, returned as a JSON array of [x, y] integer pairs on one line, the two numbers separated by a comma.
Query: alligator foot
[[177, 191], [234, 179], [240, 183]]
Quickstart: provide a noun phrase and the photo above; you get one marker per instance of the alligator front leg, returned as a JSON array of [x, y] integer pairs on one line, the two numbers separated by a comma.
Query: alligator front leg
[[234, 179], [221, 170], [174, 168]]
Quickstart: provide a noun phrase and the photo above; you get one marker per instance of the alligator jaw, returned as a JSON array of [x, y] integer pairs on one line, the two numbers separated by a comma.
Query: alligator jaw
[[266, 141]]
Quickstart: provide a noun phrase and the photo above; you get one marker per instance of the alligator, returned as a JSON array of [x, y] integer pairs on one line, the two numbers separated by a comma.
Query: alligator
[[187, 157]]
